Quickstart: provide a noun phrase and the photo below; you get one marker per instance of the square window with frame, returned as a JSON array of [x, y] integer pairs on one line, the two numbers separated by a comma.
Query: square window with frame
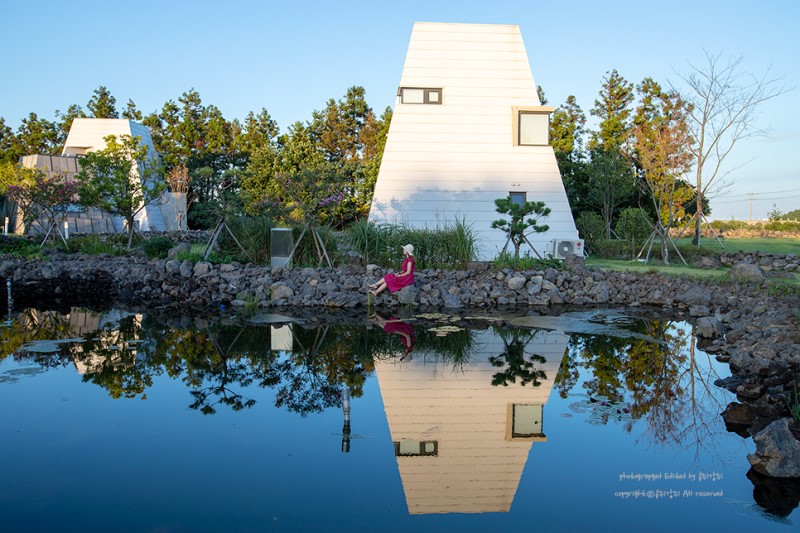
[[531, 125], [518, 198]]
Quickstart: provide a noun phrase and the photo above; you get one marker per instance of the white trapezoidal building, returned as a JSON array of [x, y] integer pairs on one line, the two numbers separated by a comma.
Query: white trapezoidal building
[[467, 129]]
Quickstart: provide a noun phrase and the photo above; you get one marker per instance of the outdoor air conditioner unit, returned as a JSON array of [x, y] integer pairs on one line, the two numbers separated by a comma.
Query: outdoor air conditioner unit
[[562, 249]]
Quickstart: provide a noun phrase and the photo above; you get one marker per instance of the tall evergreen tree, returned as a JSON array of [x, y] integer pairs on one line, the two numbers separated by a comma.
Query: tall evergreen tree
[[35, 136], [7, 143], [65, 122], [102, 104], [613, 110], [131, 112]]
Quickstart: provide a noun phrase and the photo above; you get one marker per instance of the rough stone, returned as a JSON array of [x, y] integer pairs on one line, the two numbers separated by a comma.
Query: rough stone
[[407, 295], [777, 451], [201, 269], [453, 301], [749, 271], [186, 269], [173, 266], [182, 248], [280, 291], [709, 327], [516, 282]]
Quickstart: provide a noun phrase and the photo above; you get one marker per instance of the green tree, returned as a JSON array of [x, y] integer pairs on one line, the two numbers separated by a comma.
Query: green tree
[[774, 213], [662, 146], [567, 127], [611, 184], [65, 120], [613, 111], [102, 104], [258, 131], [131, 112], [516, 228], [7, 143], [121, 179], [35, 136]]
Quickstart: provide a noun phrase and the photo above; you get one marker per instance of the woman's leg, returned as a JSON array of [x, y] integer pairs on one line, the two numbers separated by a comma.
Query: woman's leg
[[380, 287]]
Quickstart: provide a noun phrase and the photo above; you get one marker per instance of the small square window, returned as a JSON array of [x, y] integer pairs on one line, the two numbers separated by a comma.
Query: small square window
[[534, 129], [527, 420], [518, 198]]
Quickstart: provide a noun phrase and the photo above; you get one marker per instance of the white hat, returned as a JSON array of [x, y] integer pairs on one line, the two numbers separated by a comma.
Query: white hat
[[409, 249]]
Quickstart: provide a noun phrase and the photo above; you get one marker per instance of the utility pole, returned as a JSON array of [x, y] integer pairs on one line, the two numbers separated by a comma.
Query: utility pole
[[752, 195]]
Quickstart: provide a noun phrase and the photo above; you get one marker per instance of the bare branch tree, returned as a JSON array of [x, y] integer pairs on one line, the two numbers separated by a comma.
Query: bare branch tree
[[724, 103]]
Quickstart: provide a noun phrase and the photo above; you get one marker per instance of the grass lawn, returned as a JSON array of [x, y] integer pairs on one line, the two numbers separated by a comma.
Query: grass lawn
[[766, 245], [675, 269]]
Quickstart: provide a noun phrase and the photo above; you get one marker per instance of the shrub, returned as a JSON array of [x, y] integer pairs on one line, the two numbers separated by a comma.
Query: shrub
[[17, 246], [93, 244], [253, 233], [633, 227], [526, 262], [591, 227], [451, 246], [157, 247], [610, 249]]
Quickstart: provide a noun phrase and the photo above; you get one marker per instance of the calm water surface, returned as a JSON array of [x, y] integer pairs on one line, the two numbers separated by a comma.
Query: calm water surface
[[587, 421]]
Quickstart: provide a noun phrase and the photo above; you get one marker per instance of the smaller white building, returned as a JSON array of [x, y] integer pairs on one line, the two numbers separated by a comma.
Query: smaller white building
[[88, 135]]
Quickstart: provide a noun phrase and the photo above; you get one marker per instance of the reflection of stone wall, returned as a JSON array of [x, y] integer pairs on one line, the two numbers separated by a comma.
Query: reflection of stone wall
[[476, 467]]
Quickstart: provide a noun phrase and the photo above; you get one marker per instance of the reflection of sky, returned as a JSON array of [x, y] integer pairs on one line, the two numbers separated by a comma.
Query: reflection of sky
[[75, 457]]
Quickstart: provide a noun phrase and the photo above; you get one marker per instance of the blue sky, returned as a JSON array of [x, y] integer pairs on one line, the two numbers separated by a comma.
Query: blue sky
[[291, 57]]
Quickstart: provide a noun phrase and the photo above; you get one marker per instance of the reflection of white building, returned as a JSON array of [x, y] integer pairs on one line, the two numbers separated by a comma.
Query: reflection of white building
[[461, 443], [88, 135], [467, 129]]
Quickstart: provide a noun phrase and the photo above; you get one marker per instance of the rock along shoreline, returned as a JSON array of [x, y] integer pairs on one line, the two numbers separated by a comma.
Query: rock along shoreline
[[744, 322]]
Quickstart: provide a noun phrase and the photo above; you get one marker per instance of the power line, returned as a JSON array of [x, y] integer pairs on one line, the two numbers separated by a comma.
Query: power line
[[746, 195]]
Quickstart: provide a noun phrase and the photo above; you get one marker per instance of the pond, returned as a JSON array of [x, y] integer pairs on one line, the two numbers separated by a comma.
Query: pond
[[146, 421]]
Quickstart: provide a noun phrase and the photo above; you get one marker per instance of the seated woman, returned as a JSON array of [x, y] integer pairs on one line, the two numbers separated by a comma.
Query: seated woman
[[395, 282]]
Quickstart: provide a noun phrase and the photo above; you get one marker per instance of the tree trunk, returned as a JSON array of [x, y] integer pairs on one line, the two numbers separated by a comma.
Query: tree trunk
[[698, 216]]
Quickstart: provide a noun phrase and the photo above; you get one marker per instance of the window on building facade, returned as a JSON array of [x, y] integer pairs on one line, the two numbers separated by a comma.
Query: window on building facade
[[534, 129], [407, 448], [518, 198], [420, 95], [526, 420]]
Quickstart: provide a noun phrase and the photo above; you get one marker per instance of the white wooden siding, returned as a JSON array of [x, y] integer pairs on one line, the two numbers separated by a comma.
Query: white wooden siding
[[477, 469], [449, 161]]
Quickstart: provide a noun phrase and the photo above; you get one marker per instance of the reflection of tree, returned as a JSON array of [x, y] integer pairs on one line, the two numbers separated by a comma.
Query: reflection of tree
[[116, 359], [515, 340], [312, 375], [654, 374], [34, 325], [214, 360], [652, 371]]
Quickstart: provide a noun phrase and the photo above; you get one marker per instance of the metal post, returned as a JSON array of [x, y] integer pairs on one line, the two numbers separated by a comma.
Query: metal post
[[346, 428], [10, 300]]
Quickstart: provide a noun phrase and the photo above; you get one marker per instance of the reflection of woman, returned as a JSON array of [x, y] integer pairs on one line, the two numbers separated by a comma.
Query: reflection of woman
[[395, 282], [404, 329]]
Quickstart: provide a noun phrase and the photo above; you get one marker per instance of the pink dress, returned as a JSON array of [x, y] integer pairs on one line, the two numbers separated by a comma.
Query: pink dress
[[395, 282]]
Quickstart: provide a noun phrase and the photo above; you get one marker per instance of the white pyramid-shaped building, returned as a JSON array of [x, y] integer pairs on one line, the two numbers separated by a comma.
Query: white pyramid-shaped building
[[468, 128]]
